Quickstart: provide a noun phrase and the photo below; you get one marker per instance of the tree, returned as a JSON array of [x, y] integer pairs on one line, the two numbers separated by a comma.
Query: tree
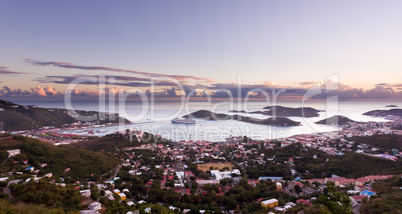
[[95, 194], [298, 189], [231, 204], [3, 156]]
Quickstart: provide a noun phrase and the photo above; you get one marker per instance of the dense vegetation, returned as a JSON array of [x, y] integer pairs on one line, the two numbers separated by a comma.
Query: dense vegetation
[[117, 141], [273, 121], [331, 201], [353, 165], [7, 207], [312, 163], [17, 117], [395, 112], [281, 111], [383, 141], [82, 163], [51, 195], [336, 120], [291, 112], [388, 200]]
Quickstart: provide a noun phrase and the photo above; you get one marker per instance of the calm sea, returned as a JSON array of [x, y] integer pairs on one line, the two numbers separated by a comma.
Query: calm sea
[[156, 118]]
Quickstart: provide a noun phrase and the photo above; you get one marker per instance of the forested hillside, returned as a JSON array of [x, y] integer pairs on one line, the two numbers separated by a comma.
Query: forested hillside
[[82, 163]]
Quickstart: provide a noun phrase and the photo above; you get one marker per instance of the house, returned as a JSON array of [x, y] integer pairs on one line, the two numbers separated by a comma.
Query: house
[[299, 184], [86, 193], [361, 181], [31, 169], [95, 206], [13, 152], [344, 182], [116, 191], [270, 178], [302, 201], [202, 183], [122, 196], [130, 203], [173, 208], [359, 188], [271, 203], [108, 193], [357, 198], [49, 175], [374, 177], [320, 181], [278, 185], [148, 210], [334, 179], [291, 161]]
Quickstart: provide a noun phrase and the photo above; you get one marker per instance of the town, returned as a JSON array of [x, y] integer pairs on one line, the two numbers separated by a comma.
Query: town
[[238, 175]]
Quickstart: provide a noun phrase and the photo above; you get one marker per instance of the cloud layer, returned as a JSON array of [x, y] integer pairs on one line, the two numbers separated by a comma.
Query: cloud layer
[[380, 91], [101, 68], [6, 71]]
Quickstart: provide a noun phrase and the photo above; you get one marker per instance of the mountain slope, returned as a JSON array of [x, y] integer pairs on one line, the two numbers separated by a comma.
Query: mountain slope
[[16, 117], [82, 163]]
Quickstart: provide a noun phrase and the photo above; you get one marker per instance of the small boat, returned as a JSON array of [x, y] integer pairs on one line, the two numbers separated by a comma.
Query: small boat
[[184, 120]]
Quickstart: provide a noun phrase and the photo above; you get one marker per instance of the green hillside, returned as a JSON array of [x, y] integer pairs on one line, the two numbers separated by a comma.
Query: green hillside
[[117, 141], [336, 120], [16, 117], [82, 163], [382, 141], [273, 121]]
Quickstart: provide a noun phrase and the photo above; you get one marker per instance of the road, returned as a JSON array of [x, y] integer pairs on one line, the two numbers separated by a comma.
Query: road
[[6, 190], [357, 208], [117, 168]]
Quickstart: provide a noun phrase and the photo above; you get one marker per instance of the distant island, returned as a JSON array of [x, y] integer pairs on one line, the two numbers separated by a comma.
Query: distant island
[[384, 113], [273, 121], [391, 106], [281, 111], [14, 117], [336, 120]]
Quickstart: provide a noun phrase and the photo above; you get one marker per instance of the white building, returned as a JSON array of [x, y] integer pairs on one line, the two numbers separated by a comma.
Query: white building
[[95, 206], [226, 174], [86, 193], [108, 193], [13, 152]]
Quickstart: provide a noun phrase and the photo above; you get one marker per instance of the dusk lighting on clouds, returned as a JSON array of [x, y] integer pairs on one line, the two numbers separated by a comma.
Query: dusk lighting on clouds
[[204, 45]]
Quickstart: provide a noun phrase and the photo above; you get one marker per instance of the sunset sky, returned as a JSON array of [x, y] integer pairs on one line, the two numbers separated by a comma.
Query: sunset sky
[[203, 44]]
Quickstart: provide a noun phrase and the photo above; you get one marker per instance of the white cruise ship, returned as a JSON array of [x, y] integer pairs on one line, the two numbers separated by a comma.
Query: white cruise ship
[[184, 120]]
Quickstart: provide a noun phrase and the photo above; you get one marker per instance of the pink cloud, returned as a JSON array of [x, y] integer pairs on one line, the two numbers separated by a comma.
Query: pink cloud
[[47, 91]]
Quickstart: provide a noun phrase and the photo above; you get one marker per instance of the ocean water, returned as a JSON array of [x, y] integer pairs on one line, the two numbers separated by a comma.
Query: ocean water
[[156, 118]]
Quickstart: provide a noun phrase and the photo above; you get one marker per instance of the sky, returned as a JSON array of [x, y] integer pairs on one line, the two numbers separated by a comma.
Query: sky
[[205, 45]]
